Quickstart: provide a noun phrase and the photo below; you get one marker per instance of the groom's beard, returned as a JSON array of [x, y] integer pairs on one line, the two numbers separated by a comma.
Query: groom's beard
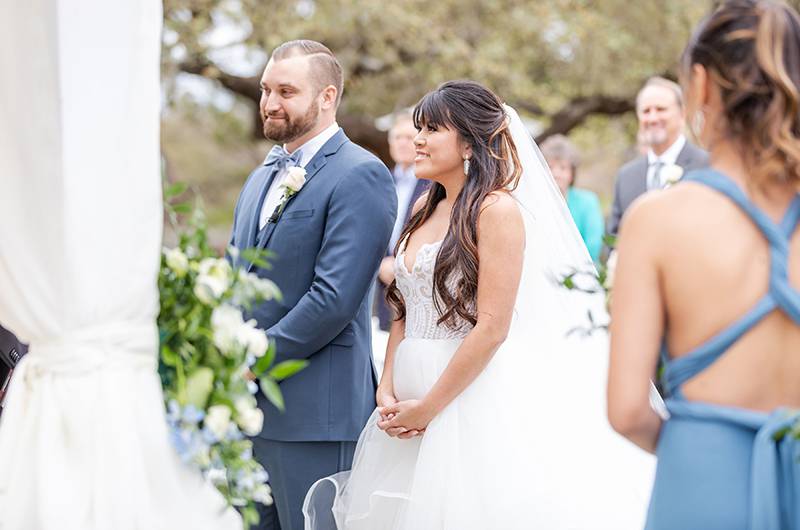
[[291, 128]]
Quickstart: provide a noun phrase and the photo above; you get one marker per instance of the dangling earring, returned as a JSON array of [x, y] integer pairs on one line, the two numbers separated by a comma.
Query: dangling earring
[[698, 123], [466, 166]]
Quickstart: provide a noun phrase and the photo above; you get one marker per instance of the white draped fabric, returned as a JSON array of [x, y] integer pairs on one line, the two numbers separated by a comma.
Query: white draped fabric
[[83, 440]]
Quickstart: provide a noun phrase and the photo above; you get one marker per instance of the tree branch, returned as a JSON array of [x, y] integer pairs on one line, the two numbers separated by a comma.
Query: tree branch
[[578, 109]]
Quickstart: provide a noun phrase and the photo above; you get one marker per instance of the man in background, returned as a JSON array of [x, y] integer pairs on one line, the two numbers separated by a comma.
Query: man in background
[[409, 189], [659, 108]]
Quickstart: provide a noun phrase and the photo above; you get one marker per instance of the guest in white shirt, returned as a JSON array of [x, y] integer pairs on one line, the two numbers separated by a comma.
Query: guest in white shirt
[[659, 108], [409, 189]]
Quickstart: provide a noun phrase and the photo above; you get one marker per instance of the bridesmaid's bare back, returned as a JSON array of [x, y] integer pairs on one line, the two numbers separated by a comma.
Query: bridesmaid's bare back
[[714, 267]]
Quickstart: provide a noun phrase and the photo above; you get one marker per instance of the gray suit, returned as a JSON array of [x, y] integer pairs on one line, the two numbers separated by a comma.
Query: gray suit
[[632, 181], [327, 246]]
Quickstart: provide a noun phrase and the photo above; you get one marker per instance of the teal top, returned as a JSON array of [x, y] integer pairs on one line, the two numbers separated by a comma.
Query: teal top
[[585, 209]]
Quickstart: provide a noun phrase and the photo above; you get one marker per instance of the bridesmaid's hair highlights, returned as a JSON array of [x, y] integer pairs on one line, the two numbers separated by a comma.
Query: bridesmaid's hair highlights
[[751, 49], [478, 116]]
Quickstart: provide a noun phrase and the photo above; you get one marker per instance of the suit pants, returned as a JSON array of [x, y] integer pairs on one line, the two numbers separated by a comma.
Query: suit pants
[[293, 467]]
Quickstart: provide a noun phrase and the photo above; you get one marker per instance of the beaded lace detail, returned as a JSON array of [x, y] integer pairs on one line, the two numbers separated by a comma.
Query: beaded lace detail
[[416, 286]]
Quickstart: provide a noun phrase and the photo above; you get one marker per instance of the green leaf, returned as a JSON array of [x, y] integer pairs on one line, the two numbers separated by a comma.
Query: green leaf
[[182, 208], [287, 369], [174, 190], [266, 360], [168, 356], [273, 393], [257, 256], [198, 386]]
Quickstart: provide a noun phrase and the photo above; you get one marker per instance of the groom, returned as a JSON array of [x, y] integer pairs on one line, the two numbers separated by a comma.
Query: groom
[[319, 205]]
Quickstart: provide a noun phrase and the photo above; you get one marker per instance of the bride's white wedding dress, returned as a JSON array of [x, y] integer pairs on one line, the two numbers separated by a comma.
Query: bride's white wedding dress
[[525, 446]]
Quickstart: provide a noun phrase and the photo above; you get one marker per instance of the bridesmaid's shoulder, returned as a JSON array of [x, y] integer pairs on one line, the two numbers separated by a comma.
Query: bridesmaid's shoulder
[[661, 214]]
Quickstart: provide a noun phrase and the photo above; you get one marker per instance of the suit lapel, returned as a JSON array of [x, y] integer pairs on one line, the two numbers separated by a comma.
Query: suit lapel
[[253, 235], [686, 156], [312, 169]]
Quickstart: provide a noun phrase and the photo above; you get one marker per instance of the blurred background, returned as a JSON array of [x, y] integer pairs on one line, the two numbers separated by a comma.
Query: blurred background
[[569, 66]]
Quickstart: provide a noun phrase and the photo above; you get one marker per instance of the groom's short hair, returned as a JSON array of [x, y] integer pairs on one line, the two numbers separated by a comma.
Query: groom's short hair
[[325, 68]]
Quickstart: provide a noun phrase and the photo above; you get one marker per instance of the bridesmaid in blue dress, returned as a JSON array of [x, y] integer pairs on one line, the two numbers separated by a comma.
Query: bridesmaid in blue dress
[[708, 278]]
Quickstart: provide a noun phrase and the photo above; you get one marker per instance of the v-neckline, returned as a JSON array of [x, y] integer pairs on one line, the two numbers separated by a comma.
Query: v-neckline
[[403, 255]]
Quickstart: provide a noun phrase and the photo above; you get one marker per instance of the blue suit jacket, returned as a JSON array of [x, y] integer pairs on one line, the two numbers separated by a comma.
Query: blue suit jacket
[[327, 246]]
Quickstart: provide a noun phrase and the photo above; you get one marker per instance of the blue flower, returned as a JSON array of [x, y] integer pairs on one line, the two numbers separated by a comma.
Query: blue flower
[[192, 414], [209, 437], [173, 412], [234, 434]]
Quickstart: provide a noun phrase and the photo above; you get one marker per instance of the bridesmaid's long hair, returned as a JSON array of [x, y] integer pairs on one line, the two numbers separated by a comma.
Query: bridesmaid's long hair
[[478, 116], [751, 49]]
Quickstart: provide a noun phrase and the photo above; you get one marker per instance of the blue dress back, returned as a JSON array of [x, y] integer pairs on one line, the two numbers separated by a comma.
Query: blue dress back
[[722, 467]]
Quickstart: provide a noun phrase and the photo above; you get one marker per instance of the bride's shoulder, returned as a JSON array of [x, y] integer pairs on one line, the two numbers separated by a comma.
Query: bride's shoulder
[[500, 211], [419, 203]]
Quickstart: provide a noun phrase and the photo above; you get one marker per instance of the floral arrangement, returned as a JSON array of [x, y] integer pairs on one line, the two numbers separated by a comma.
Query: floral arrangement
[[210, 359], [594, 280]]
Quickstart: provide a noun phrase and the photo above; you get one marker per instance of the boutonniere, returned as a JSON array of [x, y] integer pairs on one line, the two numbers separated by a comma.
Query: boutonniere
[[671, 174], [292, 184]]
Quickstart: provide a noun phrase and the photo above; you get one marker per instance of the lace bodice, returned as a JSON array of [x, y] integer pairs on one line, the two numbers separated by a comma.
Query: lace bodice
[[416, 286]]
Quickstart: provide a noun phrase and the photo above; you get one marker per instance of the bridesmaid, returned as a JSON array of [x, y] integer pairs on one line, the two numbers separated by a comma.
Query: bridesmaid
[[708, 278]]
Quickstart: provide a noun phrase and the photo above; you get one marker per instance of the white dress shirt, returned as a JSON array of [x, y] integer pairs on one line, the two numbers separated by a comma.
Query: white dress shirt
[[405, 183], [667, 158], [307, 152]]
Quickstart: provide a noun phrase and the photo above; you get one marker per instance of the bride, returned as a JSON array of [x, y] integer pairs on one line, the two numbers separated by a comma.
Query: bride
[[488, 416]]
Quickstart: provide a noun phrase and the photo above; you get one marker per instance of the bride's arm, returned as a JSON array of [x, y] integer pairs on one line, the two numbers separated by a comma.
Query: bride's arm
[[501, 245], [385, 394]]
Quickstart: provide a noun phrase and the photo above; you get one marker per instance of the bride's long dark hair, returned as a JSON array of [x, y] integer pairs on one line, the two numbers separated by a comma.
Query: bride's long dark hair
[[478, 116]]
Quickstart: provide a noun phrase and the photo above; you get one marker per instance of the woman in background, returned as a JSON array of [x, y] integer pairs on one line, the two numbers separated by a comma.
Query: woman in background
[[708, 277], [563, 159]]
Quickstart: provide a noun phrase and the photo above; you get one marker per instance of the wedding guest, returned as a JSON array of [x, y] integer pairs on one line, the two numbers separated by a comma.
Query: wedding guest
[[708, 279], [408, 188], [563, 159], [659, 108]]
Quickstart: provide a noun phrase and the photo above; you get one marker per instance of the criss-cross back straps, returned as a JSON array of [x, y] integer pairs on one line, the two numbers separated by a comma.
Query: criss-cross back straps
[[779, 295]]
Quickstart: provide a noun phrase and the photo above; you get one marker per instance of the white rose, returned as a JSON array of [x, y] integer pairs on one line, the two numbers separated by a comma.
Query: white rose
[[226, 322], [213, 279], [217, 420], [253, 338], [266, 288], [250, 419], [248, 415], [217, 476], [263, 494], [177, 261], [295, 179], [671, 174]]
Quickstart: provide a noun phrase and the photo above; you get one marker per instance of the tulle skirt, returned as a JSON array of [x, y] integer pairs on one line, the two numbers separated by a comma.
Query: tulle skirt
[[503, 455]]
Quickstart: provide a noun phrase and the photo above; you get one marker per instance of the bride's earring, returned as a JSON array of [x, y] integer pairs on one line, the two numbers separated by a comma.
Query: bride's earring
[[466, 166]]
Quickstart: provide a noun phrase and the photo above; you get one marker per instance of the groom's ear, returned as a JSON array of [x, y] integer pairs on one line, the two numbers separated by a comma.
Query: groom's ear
[[328, 97]]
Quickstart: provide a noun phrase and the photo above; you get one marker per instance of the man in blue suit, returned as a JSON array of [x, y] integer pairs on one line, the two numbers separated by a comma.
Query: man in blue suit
[[325, 208]]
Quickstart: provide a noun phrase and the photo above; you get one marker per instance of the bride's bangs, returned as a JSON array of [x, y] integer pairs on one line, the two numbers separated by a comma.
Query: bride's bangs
[[432, 111]]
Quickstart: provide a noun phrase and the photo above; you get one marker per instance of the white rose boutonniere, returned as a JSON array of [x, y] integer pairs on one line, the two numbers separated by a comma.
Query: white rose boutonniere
[[294, 181], [292, 184], [671, 174]]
